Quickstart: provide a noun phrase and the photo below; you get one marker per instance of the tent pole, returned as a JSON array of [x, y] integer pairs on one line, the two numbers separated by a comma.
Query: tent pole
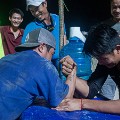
[[61, 27], [61, 23]]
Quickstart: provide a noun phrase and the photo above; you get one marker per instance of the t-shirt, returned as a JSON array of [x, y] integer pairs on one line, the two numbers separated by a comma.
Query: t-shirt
[[115, 25], [9, 42], [25, 76], [99, 76]]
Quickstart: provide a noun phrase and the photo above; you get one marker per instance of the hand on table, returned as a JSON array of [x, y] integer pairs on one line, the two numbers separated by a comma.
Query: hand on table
[[69, 105]]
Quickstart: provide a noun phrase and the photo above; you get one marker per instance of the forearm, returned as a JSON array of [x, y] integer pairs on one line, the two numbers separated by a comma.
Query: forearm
[[82, 87], [71, 81], [65, 39], [112, 106]]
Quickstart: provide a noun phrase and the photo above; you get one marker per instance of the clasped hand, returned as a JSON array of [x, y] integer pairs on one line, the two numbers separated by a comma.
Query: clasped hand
[[67, 65]]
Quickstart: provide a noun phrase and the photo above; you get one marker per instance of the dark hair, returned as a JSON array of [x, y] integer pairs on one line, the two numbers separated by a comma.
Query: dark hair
[[101, 39], [111, 0], [16, 10]]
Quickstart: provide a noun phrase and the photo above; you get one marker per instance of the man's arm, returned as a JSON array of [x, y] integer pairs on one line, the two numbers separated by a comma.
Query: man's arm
[[112, 106], [86, 88], [91, 87], [71, 81], [82, 87]]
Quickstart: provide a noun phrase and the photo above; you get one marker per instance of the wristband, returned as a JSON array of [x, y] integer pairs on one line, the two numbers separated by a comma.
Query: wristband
[[81, 104]]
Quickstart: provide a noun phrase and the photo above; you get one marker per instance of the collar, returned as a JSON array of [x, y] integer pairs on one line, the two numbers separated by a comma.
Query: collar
[[9, 31]]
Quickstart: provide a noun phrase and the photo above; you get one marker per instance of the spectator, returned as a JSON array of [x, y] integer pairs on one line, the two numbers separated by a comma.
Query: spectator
[[11, 35], [44, 19]]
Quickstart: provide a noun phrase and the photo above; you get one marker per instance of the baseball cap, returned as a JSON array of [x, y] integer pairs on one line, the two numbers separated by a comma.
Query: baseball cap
[[35, 37], [33, 2]]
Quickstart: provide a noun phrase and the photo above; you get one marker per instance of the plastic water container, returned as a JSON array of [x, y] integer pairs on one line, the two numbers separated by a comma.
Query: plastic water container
[[74, 50]]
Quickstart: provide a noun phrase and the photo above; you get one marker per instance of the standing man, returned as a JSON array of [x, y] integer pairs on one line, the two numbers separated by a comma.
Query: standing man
[[114, 21], [29, 74], [11, 35], [44, 19]]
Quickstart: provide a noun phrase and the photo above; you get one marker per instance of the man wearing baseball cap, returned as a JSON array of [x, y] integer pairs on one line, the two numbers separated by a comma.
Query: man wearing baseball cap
[[29, 74], [44, 19]]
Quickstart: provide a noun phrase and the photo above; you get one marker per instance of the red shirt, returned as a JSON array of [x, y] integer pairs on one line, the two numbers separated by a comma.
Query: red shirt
[[9, 41]]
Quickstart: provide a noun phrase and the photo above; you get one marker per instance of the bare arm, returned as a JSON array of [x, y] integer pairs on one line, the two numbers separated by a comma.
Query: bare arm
[[112, 106], [81, 85], [71, 81]]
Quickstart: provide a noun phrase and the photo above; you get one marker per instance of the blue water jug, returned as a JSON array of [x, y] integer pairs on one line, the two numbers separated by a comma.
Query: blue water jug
[[74, 50]]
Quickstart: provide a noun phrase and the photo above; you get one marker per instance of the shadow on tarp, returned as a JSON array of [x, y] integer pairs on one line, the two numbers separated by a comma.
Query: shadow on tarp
[[44, 113]]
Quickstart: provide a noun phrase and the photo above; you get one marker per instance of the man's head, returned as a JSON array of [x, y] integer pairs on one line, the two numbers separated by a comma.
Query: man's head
[[38, 8], [103, 43], [16, 17], [40, 40], [115, 9]]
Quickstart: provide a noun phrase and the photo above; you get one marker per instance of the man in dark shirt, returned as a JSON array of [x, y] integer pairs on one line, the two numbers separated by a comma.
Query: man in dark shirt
[[109, 87], [103, 43]]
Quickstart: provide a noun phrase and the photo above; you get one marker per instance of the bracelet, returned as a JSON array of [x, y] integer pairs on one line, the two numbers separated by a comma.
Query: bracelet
[[81, 104]]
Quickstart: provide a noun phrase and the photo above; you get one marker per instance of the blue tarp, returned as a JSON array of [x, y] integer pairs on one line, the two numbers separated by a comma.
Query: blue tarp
[[43, 113]]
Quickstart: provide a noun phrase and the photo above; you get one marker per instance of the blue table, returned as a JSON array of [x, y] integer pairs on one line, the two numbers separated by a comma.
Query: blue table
[[43, 113]]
